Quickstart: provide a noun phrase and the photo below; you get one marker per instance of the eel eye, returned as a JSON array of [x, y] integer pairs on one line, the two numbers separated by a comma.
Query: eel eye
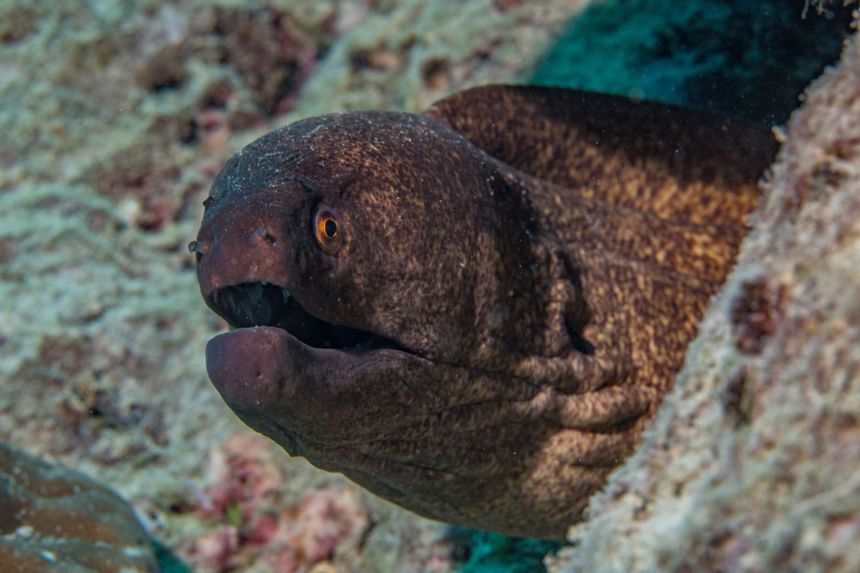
[[328, 230]]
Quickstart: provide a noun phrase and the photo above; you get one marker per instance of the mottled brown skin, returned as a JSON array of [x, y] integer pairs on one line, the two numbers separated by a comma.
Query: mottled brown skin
[[536, 261]]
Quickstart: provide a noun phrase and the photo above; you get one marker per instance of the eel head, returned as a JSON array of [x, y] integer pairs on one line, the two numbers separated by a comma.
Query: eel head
[[385, 282]]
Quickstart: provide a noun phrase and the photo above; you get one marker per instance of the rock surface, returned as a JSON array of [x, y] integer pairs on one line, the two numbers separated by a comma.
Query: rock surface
[[752, 463], [55, 520], [114, 118]]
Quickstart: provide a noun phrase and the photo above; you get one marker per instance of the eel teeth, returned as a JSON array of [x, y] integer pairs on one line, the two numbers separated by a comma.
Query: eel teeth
[[257, 308]]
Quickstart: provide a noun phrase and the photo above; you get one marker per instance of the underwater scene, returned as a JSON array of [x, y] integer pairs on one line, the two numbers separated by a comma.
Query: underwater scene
[[392, 286]]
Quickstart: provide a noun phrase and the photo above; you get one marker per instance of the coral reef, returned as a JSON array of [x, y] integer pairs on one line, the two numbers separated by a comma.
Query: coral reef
[[243, 489], [824, 6], [55, 520], [752, 464], [410, 54], [115, 116]]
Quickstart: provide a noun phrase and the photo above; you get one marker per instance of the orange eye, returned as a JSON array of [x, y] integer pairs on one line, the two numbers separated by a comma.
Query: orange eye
[[327, 229]]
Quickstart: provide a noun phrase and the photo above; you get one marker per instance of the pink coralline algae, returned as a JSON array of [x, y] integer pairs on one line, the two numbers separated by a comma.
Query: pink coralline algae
[[257, 523]]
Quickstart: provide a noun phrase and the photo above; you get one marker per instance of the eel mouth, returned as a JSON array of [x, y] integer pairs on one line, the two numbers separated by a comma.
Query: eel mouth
[[261, 303]]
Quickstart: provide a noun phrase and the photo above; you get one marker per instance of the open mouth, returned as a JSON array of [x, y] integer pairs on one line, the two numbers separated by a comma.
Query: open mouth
[[262, 303]]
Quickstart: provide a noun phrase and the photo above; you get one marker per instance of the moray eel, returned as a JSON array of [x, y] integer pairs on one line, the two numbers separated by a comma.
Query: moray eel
[[472, 312]]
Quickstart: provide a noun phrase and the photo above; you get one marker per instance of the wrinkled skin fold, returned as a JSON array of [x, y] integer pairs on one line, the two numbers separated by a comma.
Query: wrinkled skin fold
[[472, 312]]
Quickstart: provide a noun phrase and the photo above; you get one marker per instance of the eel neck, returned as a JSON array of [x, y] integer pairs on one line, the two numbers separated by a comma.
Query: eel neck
[[645, 281]]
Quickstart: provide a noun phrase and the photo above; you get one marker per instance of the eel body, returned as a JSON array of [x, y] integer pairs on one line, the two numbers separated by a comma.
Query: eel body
[[472, 312]]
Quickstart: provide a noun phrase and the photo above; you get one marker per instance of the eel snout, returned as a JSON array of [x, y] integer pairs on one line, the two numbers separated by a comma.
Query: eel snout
[[245, 274], [284, 370], [239, 246]]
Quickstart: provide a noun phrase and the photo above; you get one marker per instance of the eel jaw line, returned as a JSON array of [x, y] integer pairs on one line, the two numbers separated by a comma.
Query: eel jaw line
[[263, 303]]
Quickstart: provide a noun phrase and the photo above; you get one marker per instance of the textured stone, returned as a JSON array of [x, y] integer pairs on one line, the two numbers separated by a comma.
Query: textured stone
[[752, 462], [115, 117], [55, 520]]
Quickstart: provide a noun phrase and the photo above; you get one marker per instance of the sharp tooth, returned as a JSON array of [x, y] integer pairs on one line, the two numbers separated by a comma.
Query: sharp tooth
[[262, 307], [285, 293], [255, 293], [234, 306], [264, 312], [215, 296], [251, 301], [264, 283]]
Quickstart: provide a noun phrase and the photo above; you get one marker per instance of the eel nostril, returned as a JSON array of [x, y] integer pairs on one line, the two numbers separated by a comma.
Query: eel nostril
[[199, 248], [264, 233]]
